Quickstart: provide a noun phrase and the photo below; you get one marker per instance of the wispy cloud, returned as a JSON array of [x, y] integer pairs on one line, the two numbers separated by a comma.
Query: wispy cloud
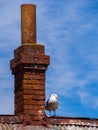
[[88, 99]]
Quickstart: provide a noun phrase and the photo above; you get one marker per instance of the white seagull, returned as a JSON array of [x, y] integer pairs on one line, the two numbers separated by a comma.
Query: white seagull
[[52, 103]]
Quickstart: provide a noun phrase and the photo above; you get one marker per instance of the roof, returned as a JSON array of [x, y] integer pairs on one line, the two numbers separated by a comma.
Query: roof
[[73, 121], [12, 122]]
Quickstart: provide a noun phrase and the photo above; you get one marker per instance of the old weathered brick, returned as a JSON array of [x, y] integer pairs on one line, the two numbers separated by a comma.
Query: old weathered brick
[[33, 97], [33, 102], [19, 94], [36, 87], [19, 108], [34, 112], [31, 92], [33, 82], [18, 101], [33, 107], [42, 82], [34, 76]]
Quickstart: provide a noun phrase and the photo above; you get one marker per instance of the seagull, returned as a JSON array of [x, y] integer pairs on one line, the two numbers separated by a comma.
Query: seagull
[[52, 103]]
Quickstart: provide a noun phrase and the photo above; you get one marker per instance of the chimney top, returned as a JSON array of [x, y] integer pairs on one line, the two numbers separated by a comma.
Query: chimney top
[[28, 24]]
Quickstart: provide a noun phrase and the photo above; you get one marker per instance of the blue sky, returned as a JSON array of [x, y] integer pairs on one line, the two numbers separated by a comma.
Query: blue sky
[[69, 31]]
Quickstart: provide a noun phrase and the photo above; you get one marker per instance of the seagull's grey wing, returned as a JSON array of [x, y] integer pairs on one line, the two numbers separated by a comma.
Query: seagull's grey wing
[[46, 106], [51, 105]]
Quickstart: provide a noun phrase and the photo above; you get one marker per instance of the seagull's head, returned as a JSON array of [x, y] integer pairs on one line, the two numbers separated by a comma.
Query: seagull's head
[[55, 95]]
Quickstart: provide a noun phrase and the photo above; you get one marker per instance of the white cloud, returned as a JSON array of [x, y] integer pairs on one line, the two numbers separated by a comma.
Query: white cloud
[[88, 99]]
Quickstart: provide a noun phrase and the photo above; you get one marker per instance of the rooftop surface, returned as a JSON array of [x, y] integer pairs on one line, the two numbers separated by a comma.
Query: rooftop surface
[[11, 122]]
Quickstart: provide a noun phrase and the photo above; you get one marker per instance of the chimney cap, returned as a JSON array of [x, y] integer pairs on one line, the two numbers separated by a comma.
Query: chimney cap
[[28, 5]]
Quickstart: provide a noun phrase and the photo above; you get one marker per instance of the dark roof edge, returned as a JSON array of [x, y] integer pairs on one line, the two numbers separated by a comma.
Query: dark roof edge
[[80, 118]]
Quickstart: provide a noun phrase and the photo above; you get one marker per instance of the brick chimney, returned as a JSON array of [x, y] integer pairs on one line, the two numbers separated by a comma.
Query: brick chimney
[[28, 67]]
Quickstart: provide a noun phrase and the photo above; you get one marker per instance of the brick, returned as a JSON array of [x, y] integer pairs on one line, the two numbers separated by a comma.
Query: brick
[[30, 92], [30, 48], [18, 103], [34, 107], [19, 108], [34, 112], [34, 76], [33, 102], [18, 94], [18, 112], [33, 97], [34, 82], [35, 87], [42, 82], [38, 118], [19, 99]]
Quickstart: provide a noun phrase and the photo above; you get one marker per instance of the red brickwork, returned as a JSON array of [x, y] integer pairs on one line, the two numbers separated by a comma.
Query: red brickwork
[[29, 66]]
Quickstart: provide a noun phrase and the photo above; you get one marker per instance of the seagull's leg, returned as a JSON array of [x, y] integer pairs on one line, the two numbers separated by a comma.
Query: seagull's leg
[[50, 113], [54, 113]]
